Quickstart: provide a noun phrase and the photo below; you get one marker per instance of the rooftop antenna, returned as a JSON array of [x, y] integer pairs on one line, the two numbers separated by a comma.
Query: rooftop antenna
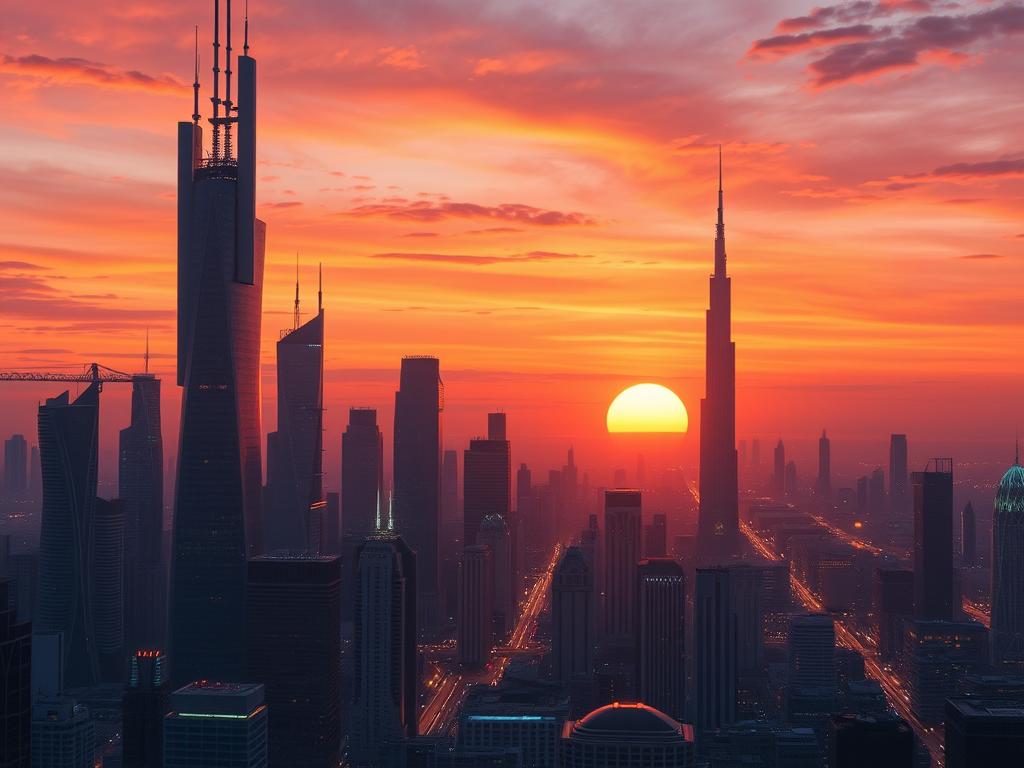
[[195, 84], [320, 288], [245, 43], [146, 357], [391, 510], [216, 80], [378, 510], [227, 86], [295, 320]]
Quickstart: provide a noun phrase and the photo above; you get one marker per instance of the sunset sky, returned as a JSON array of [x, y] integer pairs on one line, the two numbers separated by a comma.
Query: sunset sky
[[527, 190]]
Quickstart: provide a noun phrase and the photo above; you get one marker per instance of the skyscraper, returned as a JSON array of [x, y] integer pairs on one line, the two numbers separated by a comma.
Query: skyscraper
[[622, 734], [15, 467], [68, 447], [216, 724], [475, 635], [983, 732], [450, 485], [217, 515], [293, 612], [879, 741], [899, 490], [140, 483], [933, 541], [572, 617], [968, 537], [714, 652], [812, 687], [145, 703], [486, 478], [362, 474], [623, 526], [107, 587], [384, 708], [15, 687], [718, 521], [419, 403], [295, 513], [779, 475], [1008, 570], [661, 660], [494, 534], [63, 734], [824, 484]]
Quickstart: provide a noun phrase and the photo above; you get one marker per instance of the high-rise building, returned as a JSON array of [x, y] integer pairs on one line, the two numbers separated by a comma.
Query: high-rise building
[[68, 442], [15, 467], [623, 526], [332, 523], [879, 741], [493, 533], [968, 537], [145, 702], [933, 541], [140, 483], [714, 652], [63, 734], [899, 488], [876, 492], [982, 732], [755, 454], [938, 656], [573, 618], [475, 636], [294, 517], [450, 485], [35, 474], [293, 612], [656, 537], [107, 587], [384, 710], [486, 478], [824, 484], [790, 480], [1008, 570], [217, 507], [419, 404], [362, 475], [16, 689], [661, 637], [779, 474], [718, 520], [622, 734], [216, 724], [812, 686], [893, 604]]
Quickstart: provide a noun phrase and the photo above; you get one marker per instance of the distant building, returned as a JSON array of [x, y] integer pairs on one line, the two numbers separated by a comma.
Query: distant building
[[362, 475], [15, 485], [968, 537], [882, 741], [939, 655], [486, 478], [661, 636], [211, 725], [933, 542], [108, 588], [656, 537], [627, 734], [573, 619], [812, 687], [475, 636], [63, 734], [145, 703], [1008, 570], [493, 533], [984, 732], [893, 603], [714, 658], [779, 474], [791, 479], [899, 489], [824, 484], [623, 524], [15, 676]]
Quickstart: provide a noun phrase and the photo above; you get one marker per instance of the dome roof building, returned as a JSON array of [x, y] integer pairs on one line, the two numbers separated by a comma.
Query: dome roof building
[[627, 734], [1007, 631]]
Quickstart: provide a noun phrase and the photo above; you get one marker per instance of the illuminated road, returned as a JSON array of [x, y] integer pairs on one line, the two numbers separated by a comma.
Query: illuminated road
[[441, 713]]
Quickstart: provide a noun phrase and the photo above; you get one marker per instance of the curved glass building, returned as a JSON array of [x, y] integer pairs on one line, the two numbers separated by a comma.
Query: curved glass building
[[1007, 630]]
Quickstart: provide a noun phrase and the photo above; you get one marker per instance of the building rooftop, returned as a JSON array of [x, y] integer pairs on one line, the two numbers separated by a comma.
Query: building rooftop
[[1002, 709], [630, 721], [211, 699]]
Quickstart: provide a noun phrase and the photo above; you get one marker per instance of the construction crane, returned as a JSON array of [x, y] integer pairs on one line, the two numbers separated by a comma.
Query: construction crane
[[94, 373]]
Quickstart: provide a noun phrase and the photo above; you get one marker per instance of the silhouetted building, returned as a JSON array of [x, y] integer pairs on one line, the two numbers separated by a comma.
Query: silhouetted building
[[779, 475], [362, 476], [790, 481], [661, 636], [212, 725], [879, 741], [475, 635], [332, 524], [15, 682], [140, 483], [939, 655], [899, 489], [714, 652], [295, 509], [984, 732], [294, 647], [876, 492], [656, 537], [419, 403], [15, 467], [824, 483], [1008, 570], [68, 443], [718, 517], [218, 502], [764, 743], [146, 702], [893, 604], [622, 524], [450, 486], [573, 618], [384, 711], [624, 734], [933, 542], [107, 587], [63, 734], [812, 685], [968, 537], [494, 534], [486, 480]]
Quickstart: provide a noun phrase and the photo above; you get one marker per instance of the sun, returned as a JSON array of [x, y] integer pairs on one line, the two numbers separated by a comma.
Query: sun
[[647, 408]]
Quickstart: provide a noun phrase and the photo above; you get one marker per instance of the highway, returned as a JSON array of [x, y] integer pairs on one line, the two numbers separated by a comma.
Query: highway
[[440, 715]]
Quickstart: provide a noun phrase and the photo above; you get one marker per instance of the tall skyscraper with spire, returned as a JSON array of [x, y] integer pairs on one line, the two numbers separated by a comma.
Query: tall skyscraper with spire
[[718, 523], [217, 516]]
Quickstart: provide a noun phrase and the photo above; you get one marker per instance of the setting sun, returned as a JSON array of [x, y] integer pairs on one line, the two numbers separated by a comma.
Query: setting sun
[[647, 408]]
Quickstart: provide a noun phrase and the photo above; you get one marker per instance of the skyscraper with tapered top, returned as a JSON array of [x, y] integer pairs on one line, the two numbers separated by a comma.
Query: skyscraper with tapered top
[[217, 515], [718, 522]]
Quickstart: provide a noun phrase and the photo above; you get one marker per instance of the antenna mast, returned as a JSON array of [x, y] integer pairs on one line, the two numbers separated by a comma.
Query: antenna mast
[[195, 84], [146, 358], [215, 99], [245, 42], [295, 321], [227, 87], [320, 288]]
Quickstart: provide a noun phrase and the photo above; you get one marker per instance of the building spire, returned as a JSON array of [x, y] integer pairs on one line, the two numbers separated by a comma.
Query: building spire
[[720, 227], [195, 84], [245, 42], [295, 321], [215, 98], [146, 356], [227, 85], [320, 288]]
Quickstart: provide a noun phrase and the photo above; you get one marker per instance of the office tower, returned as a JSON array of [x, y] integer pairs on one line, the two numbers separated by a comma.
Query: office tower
[[899, 488], [660, 636], [332, 524], [983, 732], [384, 708], [16, 690], [475, 635], [656, 537], [933, 541], [623, 734], [140, 482], [486, 478], [217, 507], [211, 725], [108, 588], [63, 734], [293, 614], [938, 656], [145, 703], [68, 447], [893, 603], [779, 476], [968, 537], [622, 525], [450, 485], [789, 482], [862, 495], [743, 454], [493, 533], [824, 484], [714, 652], [718, 517], [15, 467], [573, 618], [876, 492], [362, 474], [295, 509], [419, 403], [752, 598], [1008, 570], [880, 741], [755, 454], [812, 687]]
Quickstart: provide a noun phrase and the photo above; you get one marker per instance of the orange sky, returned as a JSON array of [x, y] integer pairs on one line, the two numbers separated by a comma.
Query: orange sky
[[526, 189]]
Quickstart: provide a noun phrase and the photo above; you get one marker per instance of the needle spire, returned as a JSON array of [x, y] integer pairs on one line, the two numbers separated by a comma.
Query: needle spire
[[720, 226], [320, 288], [295, 325], [195, 84]]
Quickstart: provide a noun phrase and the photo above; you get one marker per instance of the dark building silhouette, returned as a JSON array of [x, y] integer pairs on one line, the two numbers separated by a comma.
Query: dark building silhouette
[[450, 486], [384, 711], [718, 520], [824, 483], [627, 734], [140, 483], [332, 523], [216, 724], [779, 472], [933, 542], [899, 488], [486, 478], [790, 481], [878, 741], [968, 537], [15, 689], [68, 447], [217, 514], [983, 732], [656, 537], [812, 684], [145, 703], [295, 500], [476, 606], [893, 604], [15, 467], [661, 637], [494, 534], [419, 403], [876, 492], [1008, 570], [294, 646], [362, 474], [573, 619], [714, 652], [623, 525], [107, 586]]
